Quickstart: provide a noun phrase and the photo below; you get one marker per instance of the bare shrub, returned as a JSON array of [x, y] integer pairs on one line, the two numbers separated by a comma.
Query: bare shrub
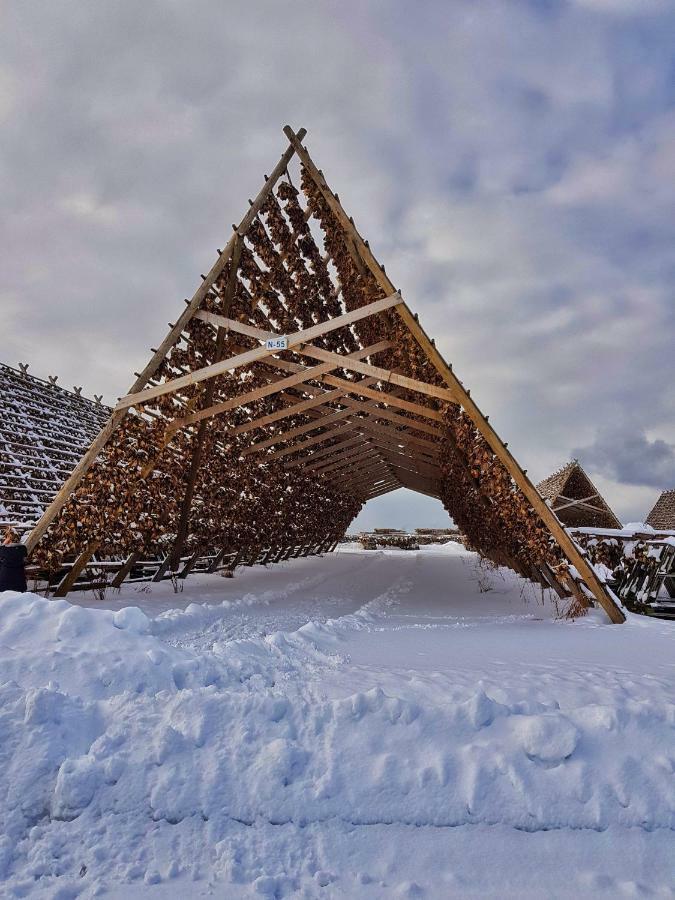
[[177, 583]]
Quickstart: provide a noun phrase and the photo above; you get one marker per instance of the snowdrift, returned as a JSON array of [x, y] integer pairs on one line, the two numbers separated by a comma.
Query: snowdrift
[[126, 759]]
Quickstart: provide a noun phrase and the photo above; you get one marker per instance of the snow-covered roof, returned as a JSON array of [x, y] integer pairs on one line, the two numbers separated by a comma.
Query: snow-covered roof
[[575, 499], [44, 430], [663, 511]]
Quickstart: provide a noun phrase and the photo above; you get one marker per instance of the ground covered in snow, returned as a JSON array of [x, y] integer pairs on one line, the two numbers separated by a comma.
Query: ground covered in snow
[[388, 724]]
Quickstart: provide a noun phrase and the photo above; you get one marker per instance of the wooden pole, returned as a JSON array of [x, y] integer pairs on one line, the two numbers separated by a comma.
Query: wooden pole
[[78, 566], [215, 562], [126, 568], [257, 354], [196, 461]]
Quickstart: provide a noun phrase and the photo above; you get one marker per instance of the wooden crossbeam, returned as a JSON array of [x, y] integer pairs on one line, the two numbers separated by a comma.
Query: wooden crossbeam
[[304, 406], [400, 444], [365, 454], [354, 410], [407, 472], [365, 445], [283, 437], [385, 375], [339, 361], [414, 481], [366, 391], [404, 473], [569, 548], [351, 457], [328, 435], [357, 424], [419, 487], [306, 374], [363, 388], [380, 493], [386, 480], [257, 353], [374, 439], [365, 479], [326, 451], [366, 469], [266, 390], [395, 436], [351, 450], [388, 397], [431, 460], [582, 501], [357, 421], [409, 462], [346, 387], [376, 412], [381, 396], [389, 478]]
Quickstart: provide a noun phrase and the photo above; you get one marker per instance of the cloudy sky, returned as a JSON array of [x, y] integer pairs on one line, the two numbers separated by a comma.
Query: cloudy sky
[[512, 163]]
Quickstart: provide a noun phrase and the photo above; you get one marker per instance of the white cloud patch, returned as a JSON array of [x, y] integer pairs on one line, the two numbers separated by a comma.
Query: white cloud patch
[[630, 457], [511, 163]]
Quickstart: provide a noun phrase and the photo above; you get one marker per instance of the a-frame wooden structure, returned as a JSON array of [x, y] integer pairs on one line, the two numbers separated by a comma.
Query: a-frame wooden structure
[[576, 500], [662, 514], [296, 385]]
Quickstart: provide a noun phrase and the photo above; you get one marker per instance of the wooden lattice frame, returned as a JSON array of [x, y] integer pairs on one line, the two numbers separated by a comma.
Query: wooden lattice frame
[[227, 401], [576, 500]]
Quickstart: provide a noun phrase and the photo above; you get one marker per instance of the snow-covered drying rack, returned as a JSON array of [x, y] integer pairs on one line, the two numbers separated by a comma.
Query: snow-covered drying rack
[[575, 499], [229, 442], [44, 430], [639, 562]]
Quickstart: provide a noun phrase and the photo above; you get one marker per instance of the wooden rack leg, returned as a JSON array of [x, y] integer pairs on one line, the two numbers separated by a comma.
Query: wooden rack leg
[[162, 568], [216, 561], [187, 568], [78, 566], [127, 566]]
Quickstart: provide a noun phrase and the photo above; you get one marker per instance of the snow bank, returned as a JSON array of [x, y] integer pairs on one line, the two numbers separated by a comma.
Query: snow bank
[[124, 759]]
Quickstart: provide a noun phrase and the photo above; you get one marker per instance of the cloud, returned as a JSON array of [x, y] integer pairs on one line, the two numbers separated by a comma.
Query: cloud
[[624, 7], [630, 458], [511, 163]]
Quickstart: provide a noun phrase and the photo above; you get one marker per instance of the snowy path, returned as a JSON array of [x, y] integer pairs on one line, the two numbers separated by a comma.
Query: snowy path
[[362, 725]]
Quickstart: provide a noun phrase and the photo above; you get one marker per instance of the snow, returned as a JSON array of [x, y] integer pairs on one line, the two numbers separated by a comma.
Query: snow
[[628, 530], [366, 724]]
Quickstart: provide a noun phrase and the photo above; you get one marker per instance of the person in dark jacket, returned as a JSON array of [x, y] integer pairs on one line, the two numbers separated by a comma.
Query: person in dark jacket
[[12, 563]]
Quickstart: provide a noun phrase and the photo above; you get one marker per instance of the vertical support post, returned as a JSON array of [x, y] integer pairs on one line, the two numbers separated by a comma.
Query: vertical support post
[[208, 393]]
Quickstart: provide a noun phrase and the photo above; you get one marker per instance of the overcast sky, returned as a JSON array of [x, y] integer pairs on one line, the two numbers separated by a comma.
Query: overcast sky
[[512, 163]]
